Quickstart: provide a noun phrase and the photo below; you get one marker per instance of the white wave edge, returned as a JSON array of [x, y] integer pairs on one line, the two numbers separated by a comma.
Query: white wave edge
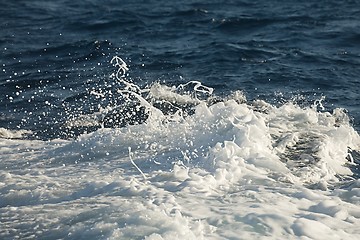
[[13, 134], [224, 172]]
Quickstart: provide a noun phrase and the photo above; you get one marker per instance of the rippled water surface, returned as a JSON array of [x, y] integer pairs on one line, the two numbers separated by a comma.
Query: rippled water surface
[[179, 120]]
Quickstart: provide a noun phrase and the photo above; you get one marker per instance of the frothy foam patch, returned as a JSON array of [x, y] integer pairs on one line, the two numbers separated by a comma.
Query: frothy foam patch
[[225, 168], [12, 134], [315, 143]]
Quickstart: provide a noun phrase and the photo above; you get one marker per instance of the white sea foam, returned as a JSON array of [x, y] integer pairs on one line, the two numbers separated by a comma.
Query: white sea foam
[[227, 171], [230, 170], [6, 133]]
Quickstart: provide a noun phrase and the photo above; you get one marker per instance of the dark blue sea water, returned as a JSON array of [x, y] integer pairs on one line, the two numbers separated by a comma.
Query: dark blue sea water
[[53, 53]]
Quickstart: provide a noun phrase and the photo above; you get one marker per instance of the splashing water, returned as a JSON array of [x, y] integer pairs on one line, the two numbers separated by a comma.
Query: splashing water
[[191, 125], [179, 162], [137, 104], [189, 120]]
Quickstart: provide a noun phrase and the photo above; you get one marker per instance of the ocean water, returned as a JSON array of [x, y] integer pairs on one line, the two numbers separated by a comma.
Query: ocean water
[[179, 120]]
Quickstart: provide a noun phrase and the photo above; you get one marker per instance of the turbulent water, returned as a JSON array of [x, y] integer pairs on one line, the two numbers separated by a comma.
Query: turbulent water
[[190, 120]]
